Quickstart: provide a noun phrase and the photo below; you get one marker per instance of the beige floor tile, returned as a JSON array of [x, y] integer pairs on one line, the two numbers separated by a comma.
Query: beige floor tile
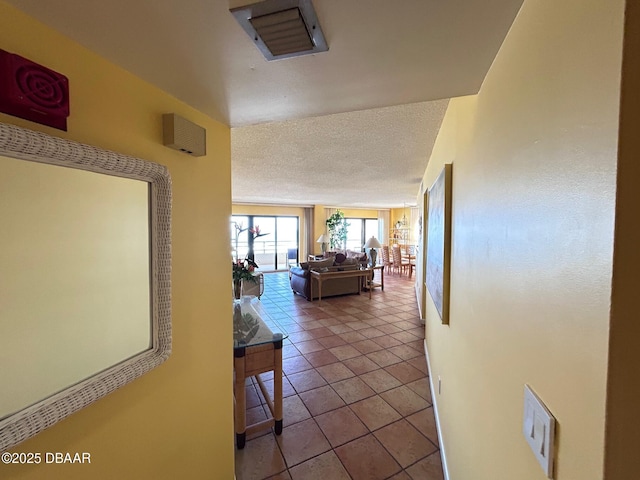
[[420, 363], [320, 332], [352, 389], [425, 422], [307, 380], [429, 468], [406, 352], [294, 410], [323, 467], [375, 412], [302, 441], [352, 337], [384, 358], [335, 372], [366, 458], [309, 346], [375, 322], [339, 329], [421, 387], [404, 337], [341, 426], [321, 400], [323, 357], [259, 459], [289, 351], [361, 364], [404, 442], [332, 341], [380, 380], [300, 336], [404, 400], [358, 325], [344, 352], [404, 372], [371, 332], [389, 328], [295, 364], [366, 346]]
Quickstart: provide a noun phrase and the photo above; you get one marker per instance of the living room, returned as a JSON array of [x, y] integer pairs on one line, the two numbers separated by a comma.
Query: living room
[[544, 199]]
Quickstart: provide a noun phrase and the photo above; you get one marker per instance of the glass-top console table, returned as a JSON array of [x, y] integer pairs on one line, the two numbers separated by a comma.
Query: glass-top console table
[[257, 348]]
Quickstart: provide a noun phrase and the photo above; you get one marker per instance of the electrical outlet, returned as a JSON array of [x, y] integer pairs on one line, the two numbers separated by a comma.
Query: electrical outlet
[[539, 429]]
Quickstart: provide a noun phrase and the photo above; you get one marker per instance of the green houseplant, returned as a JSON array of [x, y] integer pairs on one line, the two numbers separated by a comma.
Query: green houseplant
[[337, 227]]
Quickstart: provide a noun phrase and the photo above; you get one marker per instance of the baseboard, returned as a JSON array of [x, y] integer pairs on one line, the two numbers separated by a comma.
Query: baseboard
[[434, 395]]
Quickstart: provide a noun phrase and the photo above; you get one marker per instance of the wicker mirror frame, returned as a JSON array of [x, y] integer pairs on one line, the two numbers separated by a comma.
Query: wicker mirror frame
[[20, 143]]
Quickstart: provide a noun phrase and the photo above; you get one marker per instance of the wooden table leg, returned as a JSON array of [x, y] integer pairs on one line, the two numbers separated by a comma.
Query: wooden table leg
[[241, 401], [277, 386]]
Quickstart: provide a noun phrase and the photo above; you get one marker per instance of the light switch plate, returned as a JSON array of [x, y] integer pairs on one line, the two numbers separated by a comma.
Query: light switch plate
[[539, 429]]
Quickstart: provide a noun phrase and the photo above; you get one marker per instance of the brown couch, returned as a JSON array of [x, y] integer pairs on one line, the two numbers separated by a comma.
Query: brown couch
[[302, 284]]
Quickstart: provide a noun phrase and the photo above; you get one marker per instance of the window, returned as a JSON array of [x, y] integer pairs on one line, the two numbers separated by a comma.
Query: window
[[359, 230], [266, 238]]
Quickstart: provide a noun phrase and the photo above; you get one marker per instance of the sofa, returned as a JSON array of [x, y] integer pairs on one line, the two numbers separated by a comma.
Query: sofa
[[302, 284]]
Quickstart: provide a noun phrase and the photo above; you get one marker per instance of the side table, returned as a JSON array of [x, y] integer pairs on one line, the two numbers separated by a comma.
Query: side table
[[372, 283], [257, 348]]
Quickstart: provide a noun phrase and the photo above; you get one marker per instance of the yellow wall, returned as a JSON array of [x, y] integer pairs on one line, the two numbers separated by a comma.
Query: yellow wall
[[176, 421], [359, 213], [534, 173]]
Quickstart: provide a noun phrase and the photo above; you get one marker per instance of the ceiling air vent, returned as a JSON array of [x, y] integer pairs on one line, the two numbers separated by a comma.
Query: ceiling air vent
[[282, 28]]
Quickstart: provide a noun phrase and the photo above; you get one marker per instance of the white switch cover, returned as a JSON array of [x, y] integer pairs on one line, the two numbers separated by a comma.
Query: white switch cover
[[539, 429]]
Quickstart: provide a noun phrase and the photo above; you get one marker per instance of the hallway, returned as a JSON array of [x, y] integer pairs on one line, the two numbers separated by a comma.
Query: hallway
[[357, 402]]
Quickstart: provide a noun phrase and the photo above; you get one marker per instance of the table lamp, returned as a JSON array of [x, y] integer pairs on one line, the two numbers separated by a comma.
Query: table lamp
[[323, 239], [372, 244]]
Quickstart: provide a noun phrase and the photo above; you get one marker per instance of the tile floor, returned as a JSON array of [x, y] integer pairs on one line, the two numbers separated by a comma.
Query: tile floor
[[357, 403]]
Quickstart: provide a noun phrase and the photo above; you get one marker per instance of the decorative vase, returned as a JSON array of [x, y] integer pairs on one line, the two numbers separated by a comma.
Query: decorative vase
[[237, 289]]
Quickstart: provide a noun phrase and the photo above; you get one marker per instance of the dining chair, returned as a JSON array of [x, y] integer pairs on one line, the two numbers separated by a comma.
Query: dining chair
[[400, 265], [387, 263]]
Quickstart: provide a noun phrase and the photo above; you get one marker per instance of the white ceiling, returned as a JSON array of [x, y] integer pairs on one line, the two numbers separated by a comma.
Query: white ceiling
[[402, 54]]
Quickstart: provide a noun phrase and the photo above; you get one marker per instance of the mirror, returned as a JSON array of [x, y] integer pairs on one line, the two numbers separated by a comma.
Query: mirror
[[85, 260]]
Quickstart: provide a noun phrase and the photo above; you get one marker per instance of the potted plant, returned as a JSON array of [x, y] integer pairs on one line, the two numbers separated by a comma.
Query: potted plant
[[337, 227], [242, 270]]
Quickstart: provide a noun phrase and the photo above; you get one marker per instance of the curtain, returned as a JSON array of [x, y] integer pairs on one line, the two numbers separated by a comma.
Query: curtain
[[308, 241], [384, 220]]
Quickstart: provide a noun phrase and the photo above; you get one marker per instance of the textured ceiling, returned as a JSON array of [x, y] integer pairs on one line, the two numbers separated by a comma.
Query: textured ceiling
[[371, 158], [381, 53]]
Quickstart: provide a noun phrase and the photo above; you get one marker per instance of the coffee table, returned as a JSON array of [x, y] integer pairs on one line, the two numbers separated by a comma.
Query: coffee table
[[257, 348], [319, 277]]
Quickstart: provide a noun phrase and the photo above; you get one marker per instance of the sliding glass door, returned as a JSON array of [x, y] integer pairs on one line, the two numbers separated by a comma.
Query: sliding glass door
[[266, 239]]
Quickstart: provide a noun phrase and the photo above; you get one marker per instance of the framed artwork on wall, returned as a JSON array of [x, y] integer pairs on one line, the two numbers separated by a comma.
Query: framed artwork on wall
[[439, 242]]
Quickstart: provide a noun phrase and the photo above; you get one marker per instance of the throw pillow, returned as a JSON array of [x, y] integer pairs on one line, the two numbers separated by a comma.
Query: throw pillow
[[327, 262]]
